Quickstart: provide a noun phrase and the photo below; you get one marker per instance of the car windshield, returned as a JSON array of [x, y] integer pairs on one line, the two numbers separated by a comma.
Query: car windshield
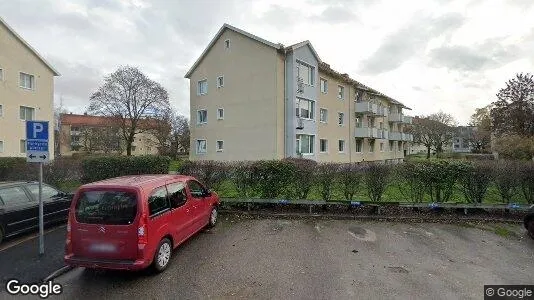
[[106, 207]]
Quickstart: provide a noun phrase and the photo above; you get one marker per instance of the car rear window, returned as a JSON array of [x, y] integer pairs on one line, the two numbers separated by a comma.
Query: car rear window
[[106, 207]]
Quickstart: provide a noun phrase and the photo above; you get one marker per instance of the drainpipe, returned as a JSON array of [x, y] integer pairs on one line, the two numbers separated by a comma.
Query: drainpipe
[[286, 120], [350, 117]]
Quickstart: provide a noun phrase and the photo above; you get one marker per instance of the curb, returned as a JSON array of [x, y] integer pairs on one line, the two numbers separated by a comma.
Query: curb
[[57, 273], [371, 218]]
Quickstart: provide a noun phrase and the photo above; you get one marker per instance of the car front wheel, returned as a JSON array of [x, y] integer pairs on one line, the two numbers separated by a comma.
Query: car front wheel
[[213, 217], [162, 255]]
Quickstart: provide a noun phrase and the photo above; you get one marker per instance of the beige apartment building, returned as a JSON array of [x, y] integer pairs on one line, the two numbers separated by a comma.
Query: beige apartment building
[[253, 99], [96, 134], [26, 92]]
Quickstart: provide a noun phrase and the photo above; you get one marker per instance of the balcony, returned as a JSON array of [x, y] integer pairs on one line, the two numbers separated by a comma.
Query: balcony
[[395, 117], [366, 107], [366, 132], [382, 111], [407, 137], [383, 134], [395, 136], [407, 120]]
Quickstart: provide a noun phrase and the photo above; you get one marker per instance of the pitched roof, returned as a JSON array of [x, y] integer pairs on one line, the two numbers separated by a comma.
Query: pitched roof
[[56, 73], [216, 37], [301, 44]]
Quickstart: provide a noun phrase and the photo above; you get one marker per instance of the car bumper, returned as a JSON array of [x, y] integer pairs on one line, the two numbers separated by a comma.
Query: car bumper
[[114, 264]]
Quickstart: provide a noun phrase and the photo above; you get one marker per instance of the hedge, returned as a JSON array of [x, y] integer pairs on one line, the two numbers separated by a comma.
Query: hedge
[[415, 181], [103, 167], [55, 172]]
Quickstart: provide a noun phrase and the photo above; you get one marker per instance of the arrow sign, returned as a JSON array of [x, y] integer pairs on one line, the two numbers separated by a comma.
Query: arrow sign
[[37, 141], [43, 156]]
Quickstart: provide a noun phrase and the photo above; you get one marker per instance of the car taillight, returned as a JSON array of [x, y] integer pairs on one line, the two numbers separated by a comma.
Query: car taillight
[[69, 234], [142, 231]]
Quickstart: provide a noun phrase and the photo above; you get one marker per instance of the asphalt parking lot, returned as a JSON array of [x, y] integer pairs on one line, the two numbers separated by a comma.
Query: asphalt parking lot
[[324, 259]]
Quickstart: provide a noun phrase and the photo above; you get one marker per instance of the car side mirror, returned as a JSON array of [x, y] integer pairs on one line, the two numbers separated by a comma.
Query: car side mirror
[[207, 193]]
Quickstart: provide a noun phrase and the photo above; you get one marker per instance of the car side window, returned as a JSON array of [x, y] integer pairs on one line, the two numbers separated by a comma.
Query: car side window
[[196, 189], [13, 195], [48, 192], [158, 201], [177, 195]]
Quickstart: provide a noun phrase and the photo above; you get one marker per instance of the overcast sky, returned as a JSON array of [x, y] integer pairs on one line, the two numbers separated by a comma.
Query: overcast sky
[[431, 55]]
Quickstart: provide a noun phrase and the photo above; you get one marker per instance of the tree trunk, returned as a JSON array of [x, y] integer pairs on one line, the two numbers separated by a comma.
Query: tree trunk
[[428, 152]]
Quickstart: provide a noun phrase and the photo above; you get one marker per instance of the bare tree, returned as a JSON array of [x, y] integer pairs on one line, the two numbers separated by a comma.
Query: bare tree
[[479, 137], [161, 129], [434, 131], [180, 135], [128, 96]]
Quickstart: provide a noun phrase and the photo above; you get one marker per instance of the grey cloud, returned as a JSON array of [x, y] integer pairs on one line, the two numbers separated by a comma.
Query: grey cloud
[[417, 88], [280, 17], [487, 55], [337, 14], [407, 41]]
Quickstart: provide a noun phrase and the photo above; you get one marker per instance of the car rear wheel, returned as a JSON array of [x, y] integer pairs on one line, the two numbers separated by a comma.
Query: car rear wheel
[[162, 255], [213, 217]]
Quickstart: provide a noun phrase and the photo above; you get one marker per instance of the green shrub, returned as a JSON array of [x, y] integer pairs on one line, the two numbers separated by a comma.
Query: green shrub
[[526, 173], [325, 176], [302, 177], [506, 178], [377, 176], [104, 167], [272, 177], [410, 179], [209, 172], [16, 168], [349, 177], [475, 179], [242, 176], [440, 177]]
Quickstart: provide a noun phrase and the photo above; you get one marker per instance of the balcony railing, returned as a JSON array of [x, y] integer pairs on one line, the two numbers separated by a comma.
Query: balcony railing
[[366, 132], [366, 107], [383, 134], [395, 117], [395, 136], [382, 111], [407, 120], [408, 137]]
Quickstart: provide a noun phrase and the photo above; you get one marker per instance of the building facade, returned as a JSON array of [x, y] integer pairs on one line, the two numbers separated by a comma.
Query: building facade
[[97, 134], [460, 140], [26, 92], [252, 99]]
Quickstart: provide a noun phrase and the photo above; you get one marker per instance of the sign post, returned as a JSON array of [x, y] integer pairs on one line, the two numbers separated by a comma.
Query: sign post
[[37, 152]]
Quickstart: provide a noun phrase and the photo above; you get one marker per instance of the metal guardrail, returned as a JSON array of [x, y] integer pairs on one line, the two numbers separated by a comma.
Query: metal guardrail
[[311, 203]]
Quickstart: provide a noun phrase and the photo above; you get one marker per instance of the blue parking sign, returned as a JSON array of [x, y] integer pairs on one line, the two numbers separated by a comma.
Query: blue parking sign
[[37, 141], [37, 130]]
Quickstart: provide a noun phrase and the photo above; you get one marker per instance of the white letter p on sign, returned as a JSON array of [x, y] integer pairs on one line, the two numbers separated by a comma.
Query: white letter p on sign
[[37, 127]]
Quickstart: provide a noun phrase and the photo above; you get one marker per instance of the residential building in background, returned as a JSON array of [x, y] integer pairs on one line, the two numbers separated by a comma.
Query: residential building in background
[[98, 134], [26, 92], [253, 99], [460, 141]]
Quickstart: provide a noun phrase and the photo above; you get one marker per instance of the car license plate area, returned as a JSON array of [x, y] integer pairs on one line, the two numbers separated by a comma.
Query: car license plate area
[[102, 248]]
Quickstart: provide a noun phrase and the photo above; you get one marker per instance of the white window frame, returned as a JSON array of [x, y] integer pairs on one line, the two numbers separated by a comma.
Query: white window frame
[[371, 146], [342, 143], [1, 74], [32, 81], [299, 144], [325, 115], [199, 92], [341, 114], [1, 146], [326, 143], [361, 145], [2, 110], [25, 110], [198, 117], [219, 84], [323, 87], [220, 116], [197, 146], [311, 74], [311, 111], [391, 146], [221, 149], [342, 92], [227, 44], [381, 147]]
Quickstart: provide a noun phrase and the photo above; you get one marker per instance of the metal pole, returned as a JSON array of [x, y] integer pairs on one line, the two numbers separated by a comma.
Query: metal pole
[[41, 226]]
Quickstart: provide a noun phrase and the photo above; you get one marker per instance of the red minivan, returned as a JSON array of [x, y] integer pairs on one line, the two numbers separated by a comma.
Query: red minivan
[[133, 222]]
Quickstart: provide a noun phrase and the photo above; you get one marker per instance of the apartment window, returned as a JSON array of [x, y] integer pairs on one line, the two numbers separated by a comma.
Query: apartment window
[[324, 86], [340, 92], [1, 74], [1, 146], [305, 108], [391, 146], [341, 119], [399, 146], [359, 145], [22, 146], [220, 81], [370, 122], [227, 44], [323, 115], [305, 73], [305, 143], [220, 146], [359, 122], [341, 146], [202, 116], [27, 81], [1, 110], [202, 87], [381, 147], [323, 145], [372, 146], [220, 113], [27, 113], [201, 146]]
